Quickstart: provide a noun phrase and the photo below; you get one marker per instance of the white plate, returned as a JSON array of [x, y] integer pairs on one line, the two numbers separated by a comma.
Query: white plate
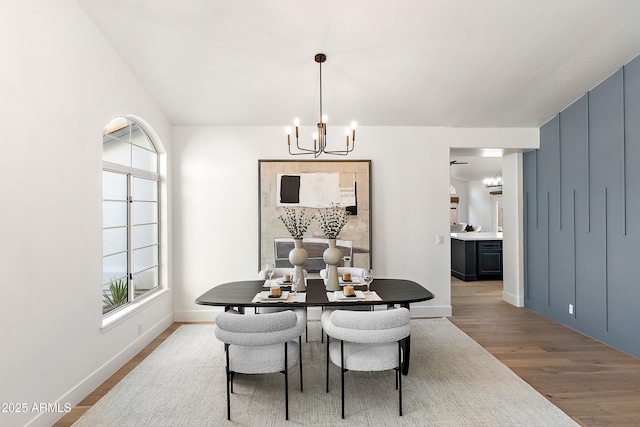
[[354, 281], [264, 295], [359, 296]]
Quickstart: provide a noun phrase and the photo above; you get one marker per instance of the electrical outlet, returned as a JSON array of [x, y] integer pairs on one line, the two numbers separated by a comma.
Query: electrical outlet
[[440, 239], [570, 308], [140, 329]]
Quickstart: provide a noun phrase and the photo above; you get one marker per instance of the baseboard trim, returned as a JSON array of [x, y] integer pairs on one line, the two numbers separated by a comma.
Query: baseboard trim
[[104, 372], [513, 299], [431, 311], [206, 315]]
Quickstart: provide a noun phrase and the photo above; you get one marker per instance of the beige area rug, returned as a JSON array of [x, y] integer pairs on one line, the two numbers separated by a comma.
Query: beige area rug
[[452, 381]]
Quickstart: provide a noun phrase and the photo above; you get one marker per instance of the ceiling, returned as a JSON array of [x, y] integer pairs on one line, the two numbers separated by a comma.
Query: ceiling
[[464, 63], [476, 164]]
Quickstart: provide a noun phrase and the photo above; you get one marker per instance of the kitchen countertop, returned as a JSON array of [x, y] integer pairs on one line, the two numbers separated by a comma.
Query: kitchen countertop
[[480, 235]]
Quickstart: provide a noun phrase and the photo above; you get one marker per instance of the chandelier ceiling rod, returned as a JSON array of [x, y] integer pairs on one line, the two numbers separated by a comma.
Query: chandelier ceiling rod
[[320, 138]]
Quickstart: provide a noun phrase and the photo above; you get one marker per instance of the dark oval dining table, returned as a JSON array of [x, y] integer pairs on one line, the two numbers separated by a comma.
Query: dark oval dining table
[[391, 292]]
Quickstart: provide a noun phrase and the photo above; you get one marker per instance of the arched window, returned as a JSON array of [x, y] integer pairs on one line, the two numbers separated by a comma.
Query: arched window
[[131, 214]]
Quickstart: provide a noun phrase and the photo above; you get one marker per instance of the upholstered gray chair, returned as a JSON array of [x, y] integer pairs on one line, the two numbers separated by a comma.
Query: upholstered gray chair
[[259, 345], [280, 272], [366, 341], [356, 272], [277, 273]]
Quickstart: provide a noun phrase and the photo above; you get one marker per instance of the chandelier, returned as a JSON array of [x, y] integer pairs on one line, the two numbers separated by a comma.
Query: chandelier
[[495, 182], [320, 137]]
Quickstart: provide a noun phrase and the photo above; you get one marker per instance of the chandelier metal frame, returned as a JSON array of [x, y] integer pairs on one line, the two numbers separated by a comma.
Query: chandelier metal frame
[[320, 138]]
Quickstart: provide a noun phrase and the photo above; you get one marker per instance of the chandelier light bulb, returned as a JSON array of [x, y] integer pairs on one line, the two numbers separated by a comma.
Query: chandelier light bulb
[[320, 138], [494, 182]]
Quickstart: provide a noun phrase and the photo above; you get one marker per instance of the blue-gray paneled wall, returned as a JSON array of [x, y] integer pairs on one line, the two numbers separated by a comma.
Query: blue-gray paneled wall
[[582, 214]]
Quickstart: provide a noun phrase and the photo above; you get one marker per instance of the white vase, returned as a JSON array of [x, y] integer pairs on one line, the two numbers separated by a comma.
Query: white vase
[[332, 257], [297, 257]]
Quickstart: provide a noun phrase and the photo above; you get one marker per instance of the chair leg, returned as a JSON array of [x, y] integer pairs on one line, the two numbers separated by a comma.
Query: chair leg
[[226, 352], [322, 330], [286, 383], [300, 360], [399, 378], [327, 363], [342, 374]]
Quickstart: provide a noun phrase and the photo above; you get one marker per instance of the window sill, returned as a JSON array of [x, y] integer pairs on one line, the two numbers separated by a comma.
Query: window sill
[[120, 316]]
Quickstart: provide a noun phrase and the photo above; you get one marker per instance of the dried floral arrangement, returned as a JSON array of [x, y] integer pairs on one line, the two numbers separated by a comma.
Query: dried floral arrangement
[[297, 221], [332, 220]]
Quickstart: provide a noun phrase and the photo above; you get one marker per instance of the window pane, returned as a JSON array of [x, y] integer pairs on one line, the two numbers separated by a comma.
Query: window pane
[[145, 235], [140, 138], [145, 281], [114, 214], [116, 151], [114, 240], [145, 212], [114, 294], [113, 267], [144, 159], [114, 186], [116, 125], [145, 258], [145, 189]]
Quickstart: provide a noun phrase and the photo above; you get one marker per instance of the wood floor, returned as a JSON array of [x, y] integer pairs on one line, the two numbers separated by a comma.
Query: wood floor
[[591, 382]]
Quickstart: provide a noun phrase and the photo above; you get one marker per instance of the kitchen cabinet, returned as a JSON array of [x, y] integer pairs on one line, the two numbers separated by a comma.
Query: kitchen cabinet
[[476, 256]]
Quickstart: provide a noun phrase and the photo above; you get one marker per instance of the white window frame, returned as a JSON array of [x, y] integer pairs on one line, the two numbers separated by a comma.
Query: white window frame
[[131, 173]]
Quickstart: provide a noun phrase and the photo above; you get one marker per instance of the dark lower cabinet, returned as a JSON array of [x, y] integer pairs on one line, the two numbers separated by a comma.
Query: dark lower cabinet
[[476, 259], [489, 259], [463, 259]]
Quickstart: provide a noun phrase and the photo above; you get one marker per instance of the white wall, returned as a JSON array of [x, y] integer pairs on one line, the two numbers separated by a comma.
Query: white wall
[[513, 221], [216, 190], [479, 205], [60, 83]]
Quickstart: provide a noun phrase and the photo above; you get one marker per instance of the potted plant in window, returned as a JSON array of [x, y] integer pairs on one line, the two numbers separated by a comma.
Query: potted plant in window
[[117, 294]]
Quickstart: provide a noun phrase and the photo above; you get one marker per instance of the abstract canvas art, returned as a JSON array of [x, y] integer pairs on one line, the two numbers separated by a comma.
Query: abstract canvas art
[[313, 185]]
